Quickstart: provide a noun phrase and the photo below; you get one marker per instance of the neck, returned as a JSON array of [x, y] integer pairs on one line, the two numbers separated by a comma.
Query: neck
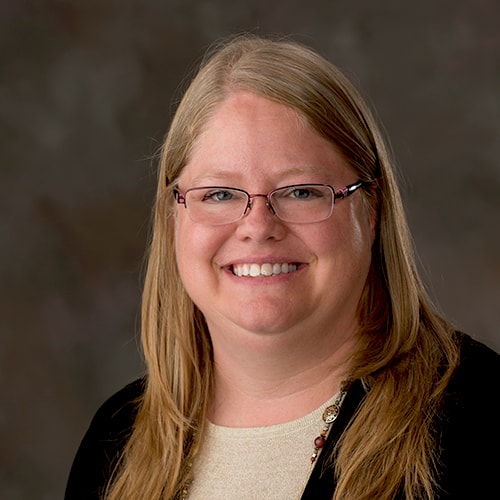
[[273, 381]]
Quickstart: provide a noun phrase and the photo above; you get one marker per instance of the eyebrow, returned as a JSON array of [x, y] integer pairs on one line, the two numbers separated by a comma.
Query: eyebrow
[[233, 176]]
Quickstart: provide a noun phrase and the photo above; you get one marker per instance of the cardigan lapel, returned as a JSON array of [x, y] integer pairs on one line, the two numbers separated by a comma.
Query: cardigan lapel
[[322, 483]]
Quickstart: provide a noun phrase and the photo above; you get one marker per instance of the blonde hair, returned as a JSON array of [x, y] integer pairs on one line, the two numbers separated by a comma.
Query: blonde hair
[[405, 353]]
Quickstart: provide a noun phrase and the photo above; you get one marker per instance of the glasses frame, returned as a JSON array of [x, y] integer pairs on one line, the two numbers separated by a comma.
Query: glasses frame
[[340, 194]]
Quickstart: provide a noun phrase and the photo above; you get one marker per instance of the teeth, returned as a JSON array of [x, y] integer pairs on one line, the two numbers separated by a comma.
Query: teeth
[[267, 269], [254, 270]]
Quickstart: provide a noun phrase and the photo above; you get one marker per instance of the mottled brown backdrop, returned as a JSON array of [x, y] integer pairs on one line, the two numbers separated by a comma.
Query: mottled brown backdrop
[[86, 93]]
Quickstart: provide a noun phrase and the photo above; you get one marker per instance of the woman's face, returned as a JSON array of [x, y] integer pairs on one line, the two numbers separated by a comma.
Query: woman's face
[[257, 145]]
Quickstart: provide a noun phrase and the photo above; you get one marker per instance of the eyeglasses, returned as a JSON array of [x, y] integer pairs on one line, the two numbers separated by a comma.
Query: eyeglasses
[[300, 203]]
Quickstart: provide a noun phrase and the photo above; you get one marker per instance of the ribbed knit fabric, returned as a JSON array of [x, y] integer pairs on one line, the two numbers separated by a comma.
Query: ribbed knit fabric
[[271, 463]]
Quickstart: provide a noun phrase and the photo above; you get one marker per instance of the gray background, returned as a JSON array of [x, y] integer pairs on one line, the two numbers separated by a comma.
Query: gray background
[[86, 93]]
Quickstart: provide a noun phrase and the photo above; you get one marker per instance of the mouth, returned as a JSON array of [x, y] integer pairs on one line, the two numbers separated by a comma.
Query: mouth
[[253, 270]]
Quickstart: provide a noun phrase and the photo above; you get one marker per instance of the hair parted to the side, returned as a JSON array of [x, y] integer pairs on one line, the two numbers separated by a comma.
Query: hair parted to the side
[[405, 352]]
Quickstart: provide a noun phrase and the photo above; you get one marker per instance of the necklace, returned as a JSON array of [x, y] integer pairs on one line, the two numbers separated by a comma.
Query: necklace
[[329, 416]]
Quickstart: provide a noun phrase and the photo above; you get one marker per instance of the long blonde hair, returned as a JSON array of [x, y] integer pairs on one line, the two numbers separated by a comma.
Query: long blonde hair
[[405, 353]]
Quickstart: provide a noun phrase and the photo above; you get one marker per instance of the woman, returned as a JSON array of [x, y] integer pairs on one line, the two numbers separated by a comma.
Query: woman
[[290, 346]]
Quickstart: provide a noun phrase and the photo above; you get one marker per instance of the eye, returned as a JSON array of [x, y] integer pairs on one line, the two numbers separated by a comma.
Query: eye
[[221, 195], [217, 196], [303, 193]]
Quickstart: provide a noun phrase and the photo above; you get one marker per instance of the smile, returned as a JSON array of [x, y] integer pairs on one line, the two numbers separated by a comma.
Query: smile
[[260, 270]]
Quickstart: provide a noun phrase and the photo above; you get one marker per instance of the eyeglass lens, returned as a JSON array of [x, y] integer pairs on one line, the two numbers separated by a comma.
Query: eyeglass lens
[[299, 204]]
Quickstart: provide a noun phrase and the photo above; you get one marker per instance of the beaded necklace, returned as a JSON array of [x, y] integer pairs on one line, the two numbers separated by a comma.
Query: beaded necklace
[[329, 416]]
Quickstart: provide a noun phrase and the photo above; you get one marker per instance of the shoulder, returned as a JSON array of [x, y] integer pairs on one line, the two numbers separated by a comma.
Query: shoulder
[[468, 428], [476, 354], [472, 392], [117, 414], [477, 373], [113, 421], [103, 443], [474, 383]]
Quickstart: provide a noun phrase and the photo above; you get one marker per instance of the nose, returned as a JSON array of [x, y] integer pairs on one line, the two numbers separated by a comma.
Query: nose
[[259, 222], [251, 198]]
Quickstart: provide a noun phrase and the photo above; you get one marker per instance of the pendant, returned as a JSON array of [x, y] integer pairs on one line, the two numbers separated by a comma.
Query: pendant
[[330, 414]]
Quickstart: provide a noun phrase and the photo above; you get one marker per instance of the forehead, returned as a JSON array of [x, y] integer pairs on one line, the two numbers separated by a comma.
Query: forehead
[[251, 135]]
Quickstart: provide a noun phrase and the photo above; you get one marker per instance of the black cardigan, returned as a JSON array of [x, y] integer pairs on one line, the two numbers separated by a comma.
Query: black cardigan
[[469, 429]]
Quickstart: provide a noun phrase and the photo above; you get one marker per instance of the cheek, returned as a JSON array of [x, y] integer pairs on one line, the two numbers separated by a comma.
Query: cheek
[[186, 247], [195, 247], [348, 244], [362, 221]]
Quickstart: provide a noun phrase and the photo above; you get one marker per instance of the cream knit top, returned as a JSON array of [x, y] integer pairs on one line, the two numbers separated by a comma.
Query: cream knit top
[[271, 463]]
